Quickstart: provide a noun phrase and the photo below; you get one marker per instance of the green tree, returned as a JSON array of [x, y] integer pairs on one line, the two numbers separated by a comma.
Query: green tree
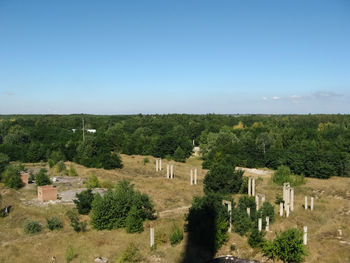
[[134, 221], [11, 177], [288, 246], [241, 221], [84, 201], [93, 182], [53, 223], [42, 178], [4, 161], [60, 167], [72, 171], [78, 226], [179, 155], [282, 175], [256, 238], [32, 227]]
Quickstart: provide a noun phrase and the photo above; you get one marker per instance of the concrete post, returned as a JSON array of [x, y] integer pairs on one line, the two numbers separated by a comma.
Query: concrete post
[[292, 199], [281, 209], [167, 171], [249, 186], [312, 204], [248, 211], [191, 177], [260, 224], [172, 171], [156, 165], [267, 223], [305, 202], [152, 236], [195, 176], [160, 164], [262, 200], [253, 186], [229, 209], [305, 235], [287, 210], [257, 202]]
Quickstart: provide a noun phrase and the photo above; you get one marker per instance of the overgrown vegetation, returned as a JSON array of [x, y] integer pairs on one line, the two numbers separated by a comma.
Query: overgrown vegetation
[[78, 226], [84, 201], [42, 178], [176, 235], [70, 253], [32, 227], [54, 223], [11, 176], [131, 254]]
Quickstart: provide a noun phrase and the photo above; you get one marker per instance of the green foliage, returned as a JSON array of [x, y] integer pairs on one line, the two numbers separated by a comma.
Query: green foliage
[[4, 161], [72, 171], [179, 155], [266, 209], [42, 178], [93, 182], [11, 177], [279, 199], [207, 222], [84, 201], [145, 160], [53, 223], [232, 247], [111, 210], [256, 238], [70, 253], [282, 175], [223, 179], [60, 167], [78, 226], [131, 254], [32, 227], [288, 246], [134, 221], [176, 235], [51, 163], [241, 221]]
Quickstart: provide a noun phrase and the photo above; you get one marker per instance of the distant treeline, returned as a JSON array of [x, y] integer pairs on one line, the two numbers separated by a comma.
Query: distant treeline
[[313, 145]]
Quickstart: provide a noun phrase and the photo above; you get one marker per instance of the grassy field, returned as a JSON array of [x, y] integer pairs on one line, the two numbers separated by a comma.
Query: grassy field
[[171, 199]]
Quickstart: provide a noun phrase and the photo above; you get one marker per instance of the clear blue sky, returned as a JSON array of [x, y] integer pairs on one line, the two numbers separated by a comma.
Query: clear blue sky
[[117, 57]]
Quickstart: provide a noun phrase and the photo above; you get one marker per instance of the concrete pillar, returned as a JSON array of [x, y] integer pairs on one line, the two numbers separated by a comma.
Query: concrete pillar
[[257, 202], [167, 171], [160, 164], [312, 204], [281, 209], [287, 210], [249, 186], [305, 202], [267, 223], [156, 165], [229, 209], [292, 199], [195, 176], [253, 186], [260, 224], [262, 200], [191, 177], [172, 171], [305, 235], [152, 236], [248, 211]]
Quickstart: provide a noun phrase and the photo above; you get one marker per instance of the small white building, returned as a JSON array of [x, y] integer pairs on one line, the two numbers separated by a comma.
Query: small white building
[[91, 130], [73, 130], [196, 151]]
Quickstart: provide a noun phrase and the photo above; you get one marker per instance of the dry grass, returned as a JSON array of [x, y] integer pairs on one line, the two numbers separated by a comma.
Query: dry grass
[[332, 212]]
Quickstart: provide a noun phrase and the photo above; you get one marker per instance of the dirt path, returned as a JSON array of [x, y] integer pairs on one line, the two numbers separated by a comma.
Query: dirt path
[[176, 211]]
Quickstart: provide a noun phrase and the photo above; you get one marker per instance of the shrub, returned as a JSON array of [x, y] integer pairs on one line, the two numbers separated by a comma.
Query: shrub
[[282, 175], [70, 253], [72, 171], [145, 160], [176, 235], [279, 199], [288, 246], [131, 254], [4, 161], [51, 163], [60, 167], [179, 155], [233, 247], [241, 221], [256, 238], [11, 177], [93, 182], [246, 201], [42, 178], [267, 210], [32, 227], [53, 223], [78, 226], [84, 201], [134, 221]]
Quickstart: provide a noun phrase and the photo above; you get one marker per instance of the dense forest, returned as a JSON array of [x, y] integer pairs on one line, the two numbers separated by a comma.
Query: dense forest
[[312, 145]]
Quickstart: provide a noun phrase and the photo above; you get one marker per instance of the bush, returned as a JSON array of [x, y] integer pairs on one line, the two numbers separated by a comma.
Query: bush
[[93, 182], [134, 221], [288, 246], [279, 199], [233, 247], [75, 222], [84, 201], [256, 238], [42, 178], [246, 201], [179, 155], [70, 253], [282, 175], [72, 171], [266, 210], [241, 221], [51, 163], [131, 254], [32, 227], [4, 161], [60, 167], [111, 210], [53, 223], [176, 235], [111, 161], [145, 160], [11, 177]]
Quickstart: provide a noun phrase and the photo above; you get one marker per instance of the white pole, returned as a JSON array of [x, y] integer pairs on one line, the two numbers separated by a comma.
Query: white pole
[[253, 186], [312, 204], [249, 186], [305, 235], [156, 165], [305, 202], [195, 176], [172, 171], [257, 202], [160, 164], [248, 211], [191, 177], [260, 224], [267, 223], [281, 209], [292, 199], [167, 171], [152, 236], [287, 210]]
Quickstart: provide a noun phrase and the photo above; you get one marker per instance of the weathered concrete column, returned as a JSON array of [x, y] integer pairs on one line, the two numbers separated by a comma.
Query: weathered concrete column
[[151, 236], [305, 235], [281, 209], [172, 171], [257, 202], [229, 209], [191, 177], [312, 204], [248, 211], [253, 186], [291, 199], [305, 202], [287, 210], [195, 176], [267, 228], [262, 199], [260, 224], [167, 171], [160, 164], [156, 165], [249, 186]]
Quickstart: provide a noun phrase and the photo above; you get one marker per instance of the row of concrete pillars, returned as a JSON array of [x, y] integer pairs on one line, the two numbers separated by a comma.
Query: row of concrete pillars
[[158, 165], [170, 171], [311, 203], [193, 171], [251, 186]]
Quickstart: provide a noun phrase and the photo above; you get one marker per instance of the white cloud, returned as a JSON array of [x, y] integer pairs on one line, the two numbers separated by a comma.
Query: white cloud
[[264, 98], [275, 98]]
